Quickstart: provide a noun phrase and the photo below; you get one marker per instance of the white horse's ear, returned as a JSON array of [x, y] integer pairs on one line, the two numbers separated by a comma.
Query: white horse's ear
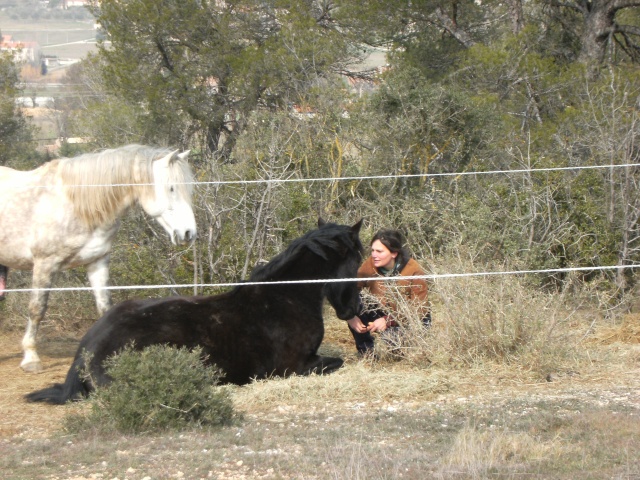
[[164, 161], [184, 155]]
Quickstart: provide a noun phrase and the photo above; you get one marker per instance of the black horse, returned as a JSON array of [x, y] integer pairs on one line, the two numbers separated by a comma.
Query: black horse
[[252, 331]]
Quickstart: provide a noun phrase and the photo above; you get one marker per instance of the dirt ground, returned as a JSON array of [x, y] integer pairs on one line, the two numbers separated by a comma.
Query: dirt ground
[[20, 418], [574, 416], [27, 420]]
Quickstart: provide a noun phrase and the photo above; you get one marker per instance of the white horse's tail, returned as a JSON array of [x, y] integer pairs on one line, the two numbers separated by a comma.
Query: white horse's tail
[[73, 388]]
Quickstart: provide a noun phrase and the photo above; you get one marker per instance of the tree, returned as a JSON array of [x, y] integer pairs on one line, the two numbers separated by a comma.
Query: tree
[[15, 133], [603, 27], [471, 86], [198, 68]]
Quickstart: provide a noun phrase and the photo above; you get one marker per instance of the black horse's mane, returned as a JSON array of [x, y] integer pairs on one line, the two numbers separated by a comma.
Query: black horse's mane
[[330, 237]]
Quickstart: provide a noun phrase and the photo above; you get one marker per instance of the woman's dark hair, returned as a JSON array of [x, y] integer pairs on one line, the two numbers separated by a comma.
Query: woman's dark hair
[[394, 241]]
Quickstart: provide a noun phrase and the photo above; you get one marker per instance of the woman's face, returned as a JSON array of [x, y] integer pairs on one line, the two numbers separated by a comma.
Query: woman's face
[[382, 256]]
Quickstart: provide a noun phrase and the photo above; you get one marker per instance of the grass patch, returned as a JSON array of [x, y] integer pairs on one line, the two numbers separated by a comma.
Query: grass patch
[[481, 453], [375, 442]]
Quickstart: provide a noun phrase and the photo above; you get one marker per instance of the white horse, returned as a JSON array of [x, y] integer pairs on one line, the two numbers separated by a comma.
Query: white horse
[[66, 213]]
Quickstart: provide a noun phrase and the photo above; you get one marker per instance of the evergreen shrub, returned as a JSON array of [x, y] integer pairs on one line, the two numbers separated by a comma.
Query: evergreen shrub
[[158, 388]]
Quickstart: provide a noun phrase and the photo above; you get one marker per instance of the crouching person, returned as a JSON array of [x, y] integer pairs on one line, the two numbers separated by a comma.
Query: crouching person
[[378, 307]]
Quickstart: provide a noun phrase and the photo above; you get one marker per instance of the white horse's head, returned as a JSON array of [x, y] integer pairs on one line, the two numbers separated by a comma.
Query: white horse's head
[[171, 203]]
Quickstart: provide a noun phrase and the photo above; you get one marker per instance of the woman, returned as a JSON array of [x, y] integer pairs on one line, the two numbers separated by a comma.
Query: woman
[[388, 258]]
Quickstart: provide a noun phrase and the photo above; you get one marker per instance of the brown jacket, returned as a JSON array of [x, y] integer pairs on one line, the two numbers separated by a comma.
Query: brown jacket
[[416, 290]]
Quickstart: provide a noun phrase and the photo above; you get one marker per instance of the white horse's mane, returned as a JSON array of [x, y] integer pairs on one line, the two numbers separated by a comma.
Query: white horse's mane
[[102, 185]]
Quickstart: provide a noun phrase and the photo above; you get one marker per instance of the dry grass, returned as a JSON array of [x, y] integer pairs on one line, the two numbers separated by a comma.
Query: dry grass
[[478, 453], [355, 383], [504, 320], [627, 330]]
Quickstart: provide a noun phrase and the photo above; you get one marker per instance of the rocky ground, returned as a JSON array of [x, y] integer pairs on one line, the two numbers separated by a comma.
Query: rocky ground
[[476, 428]]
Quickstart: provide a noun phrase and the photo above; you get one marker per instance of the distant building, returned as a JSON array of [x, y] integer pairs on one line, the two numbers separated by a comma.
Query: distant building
[[24, 52]]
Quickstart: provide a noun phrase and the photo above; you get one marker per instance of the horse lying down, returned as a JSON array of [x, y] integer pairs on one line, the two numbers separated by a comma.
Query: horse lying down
[[252, 331]]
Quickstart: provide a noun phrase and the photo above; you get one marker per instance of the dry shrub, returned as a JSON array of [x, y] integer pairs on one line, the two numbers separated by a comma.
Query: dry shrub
[[484, 320], [501, 319], [67, 311]]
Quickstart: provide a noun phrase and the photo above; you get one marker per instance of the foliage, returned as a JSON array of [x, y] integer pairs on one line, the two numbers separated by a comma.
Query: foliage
[[278, 95], [158, 388], [199, 68], [15, 133]]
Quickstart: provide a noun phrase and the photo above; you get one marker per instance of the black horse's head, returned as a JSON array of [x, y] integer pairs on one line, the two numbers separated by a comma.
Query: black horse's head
[[343, 296], [330, 252]]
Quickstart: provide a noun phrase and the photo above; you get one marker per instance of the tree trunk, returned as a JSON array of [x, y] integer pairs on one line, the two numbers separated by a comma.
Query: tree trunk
[[450, 25], [597, 31], [517, 16]]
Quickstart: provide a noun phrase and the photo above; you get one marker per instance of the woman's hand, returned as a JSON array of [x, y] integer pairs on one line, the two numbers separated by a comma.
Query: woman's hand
[[356, 325], [378, 325]]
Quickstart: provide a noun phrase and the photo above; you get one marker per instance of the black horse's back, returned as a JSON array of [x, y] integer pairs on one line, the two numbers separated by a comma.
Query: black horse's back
[[73, 388]]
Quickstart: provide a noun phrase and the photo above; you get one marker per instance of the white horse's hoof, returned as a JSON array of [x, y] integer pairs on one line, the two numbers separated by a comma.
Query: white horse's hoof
[[31, 367]]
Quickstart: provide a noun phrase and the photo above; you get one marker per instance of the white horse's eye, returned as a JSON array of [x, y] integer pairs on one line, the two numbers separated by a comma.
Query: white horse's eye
[[171, 189]]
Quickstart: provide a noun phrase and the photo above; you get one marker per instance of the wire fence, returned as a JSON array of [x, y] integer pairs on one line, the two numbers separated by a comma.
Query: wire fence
[[358, 178], [332, 280], [432, 277]]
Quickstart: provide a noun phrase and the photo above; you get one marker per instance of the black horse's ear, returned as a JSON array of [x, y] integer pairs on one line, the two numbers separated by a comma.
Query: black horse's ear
[[356, 228], [321, 222]]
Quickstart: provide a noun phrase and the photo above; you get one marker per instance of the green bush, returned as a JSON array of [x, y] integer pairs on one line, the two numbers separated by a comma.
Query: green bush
[[158, 388]]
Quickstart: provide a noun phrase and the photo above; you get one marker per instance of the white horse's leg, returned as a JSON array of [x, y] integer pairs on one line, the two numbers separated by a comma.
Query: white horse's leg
[[98, 273], [42, 277]]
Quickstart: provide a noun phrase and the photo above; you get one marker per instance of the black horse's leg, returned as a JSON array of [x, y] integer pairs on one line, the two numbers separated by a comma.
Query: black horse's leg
[[322, 365], [3, 281]]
